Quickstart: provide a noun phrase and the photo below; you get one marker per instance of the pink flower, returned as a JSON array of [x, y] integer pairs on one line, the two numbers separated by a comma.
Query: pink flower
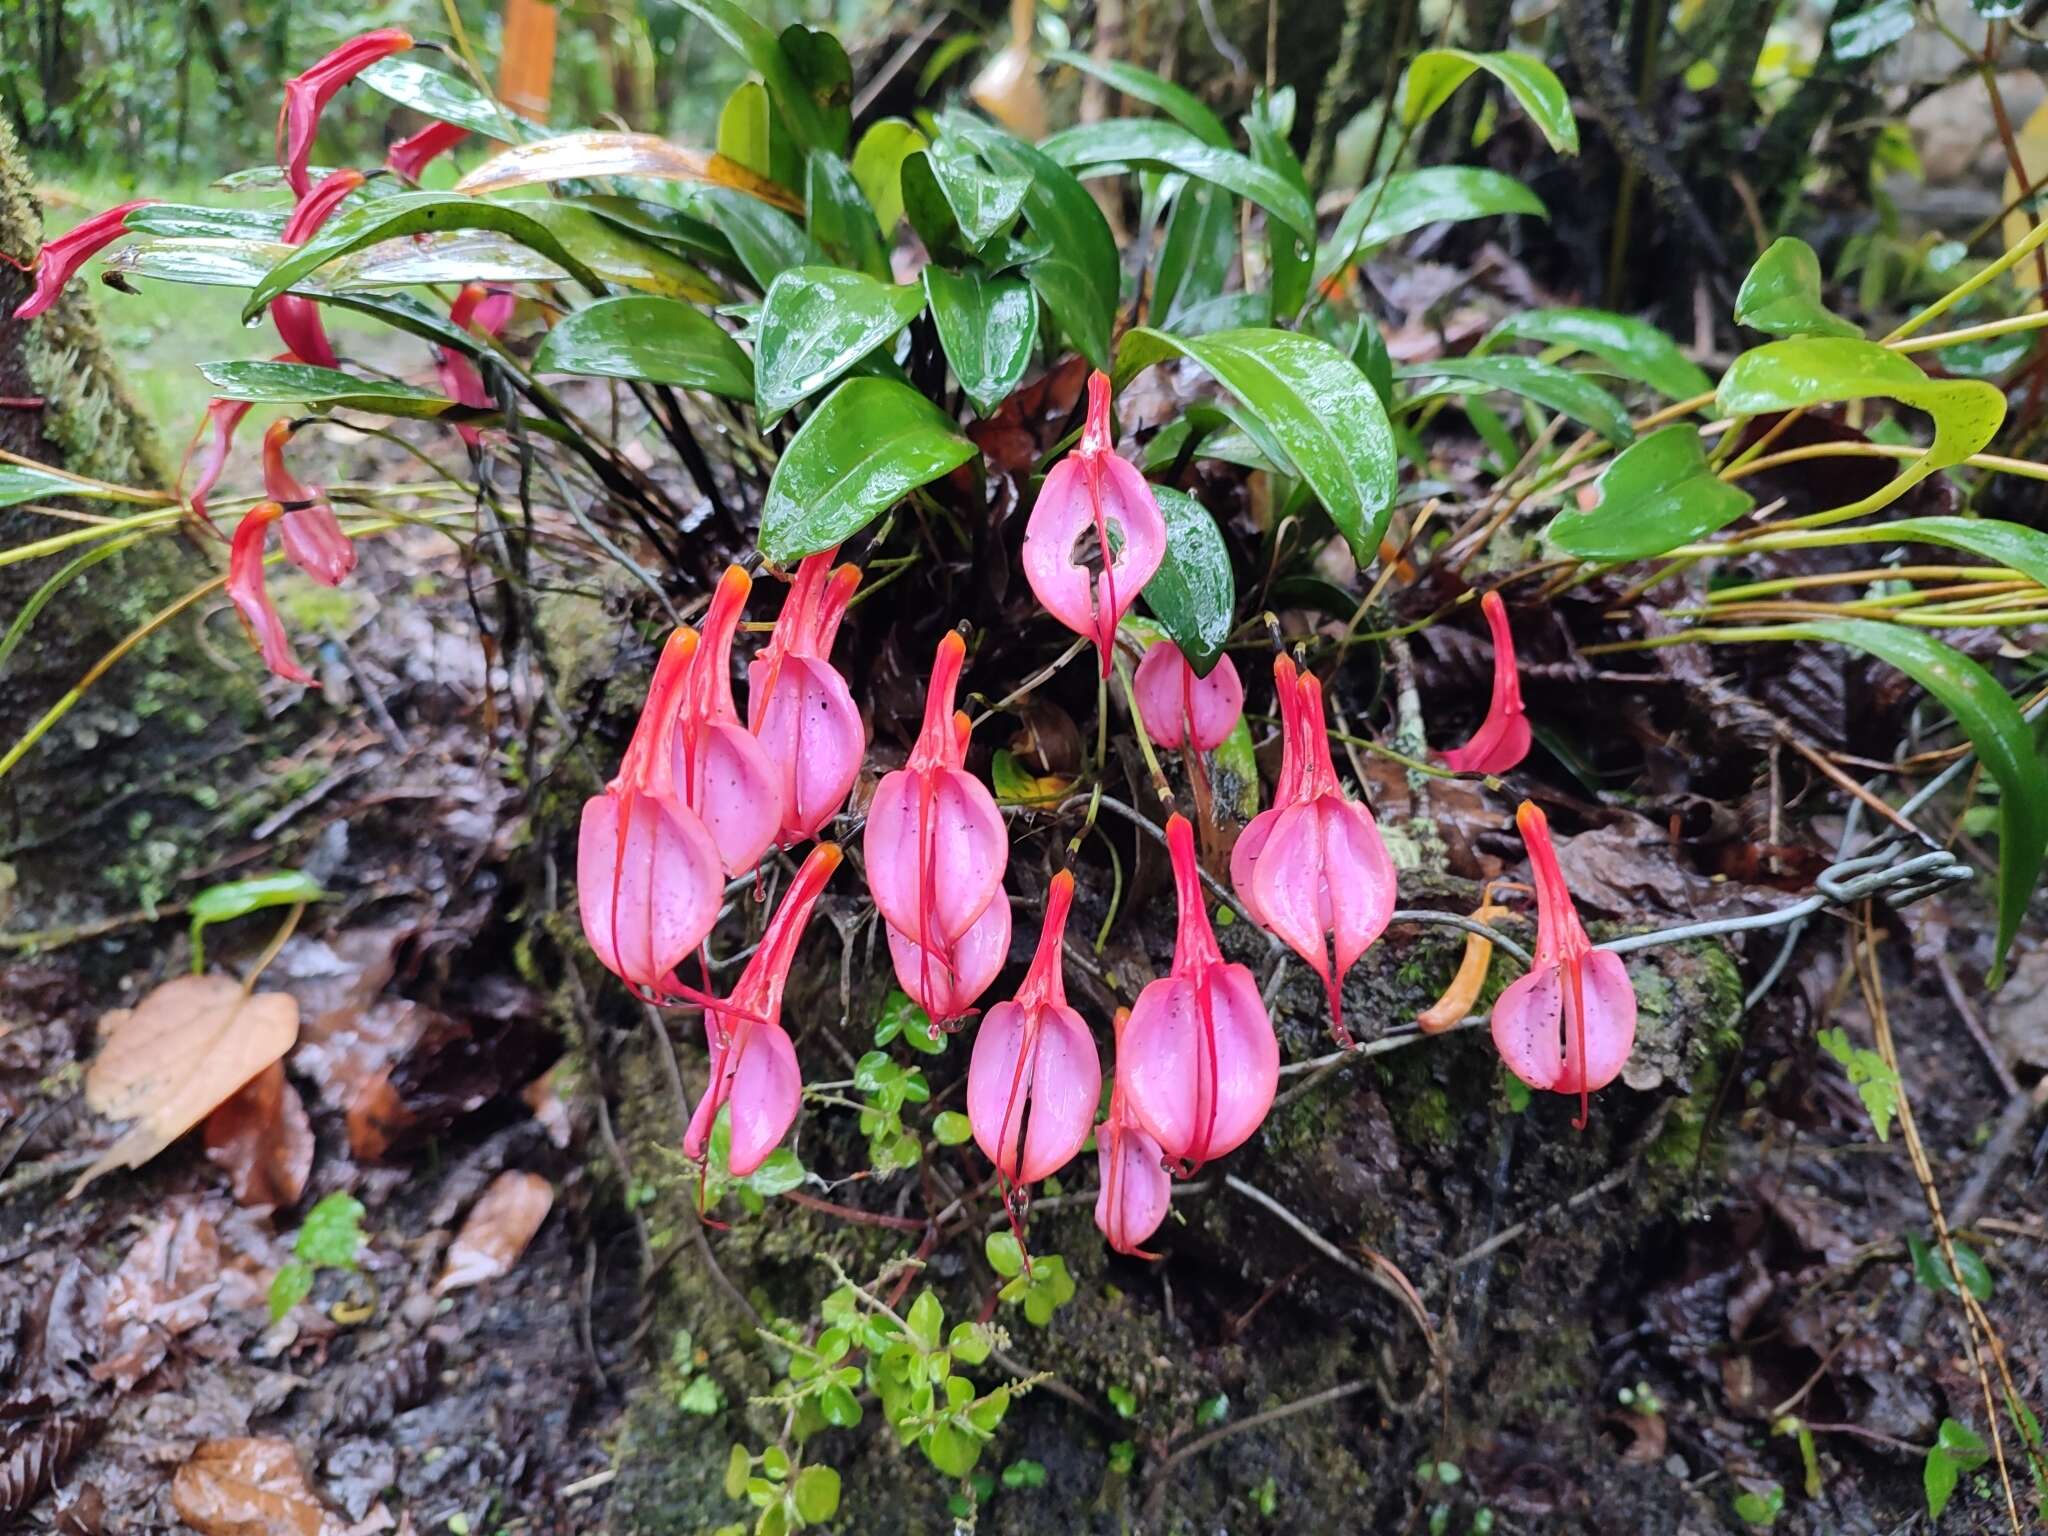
[[59, 259], [798, 705], [1244, 854], [1136, 1188], [1502, 740], [222, 417], [1199, 1063], [306, 95], [485, 311], [1035, 1054], [1570, 1023], [298, 319], [753, 1063], [648, 883], [251, 596], [946, 983], [935, 847], [1179, 707], [1092, 492], [415, 152], [313, 536], [722, 773]]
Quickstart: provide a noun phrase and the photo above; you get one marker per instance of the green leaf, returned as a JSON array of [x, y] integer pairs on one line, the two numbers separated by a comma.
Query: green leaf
[[816, 323], [821, 64], [440, 95], [1656, 494], [987, 327], [2022, 549], [292, 1284], [1142, 85], [1160, 145], [839, 217], [1931, 1271], [1123, 1400], [1024, 1474], [1078, 276], [1818, 370], [1957, 1449], [901, 1016], [640, 336], [809, 124], [768, 241], [333, 1232], [302, 383], [926, 1318], [744, 128], [780, 1172], [1560, 389], [2004, 743], [1631, 347], [207, 262], [739, 1466], [816, 1492], [1196, 253], [951, 1451], [1437, 72], [1871, 30], [22, 482], [1005, 1254], [670, 227], [1781, 294], [1416, 199], [1290, 255], [954, 204], [1308, 406], [870, 443], [1194, 592], [186, 221], [878, 167], [700, 1396], [952, 1128], [238, 898]]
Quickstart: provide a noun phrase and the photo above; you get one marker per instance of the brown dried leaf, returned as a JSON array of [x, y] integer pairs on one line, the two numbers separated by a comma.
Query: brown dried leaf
[[164, 1287], [252, 1487], [598, 152], [262, 1138], [39, 1458], [173, 1058], [499, 1227]]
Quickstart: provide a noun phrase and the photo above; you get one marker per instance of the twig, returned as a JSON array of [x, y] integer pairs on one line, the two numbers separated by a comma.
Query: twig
[[1590, 1193], [1286, 1410]]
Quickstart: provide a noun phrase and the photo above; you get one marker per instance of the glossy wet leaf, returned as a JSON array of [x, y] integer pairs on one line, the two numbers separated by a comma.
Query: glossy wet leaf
[[209, 261], [868, 444], [598, 153], [818, 322], [183, 221], [1957, 1449], [303, 384], [439, 94], [987, 327], [956, 205], [1781, 294], [1416, 199], [686, 233], [768, 241], [1193, 593], [22, 482], [660, 341], [808, 123], [1631, 347], [744, 134], [1306, 404], [1290, 255], [1196, 252], [1437, 72], [1559, 389], [238, 898], [242, 1487], [1655, 494], [1159, 145], [1178, 103], [2008, 544], [878, 167], [496, 1231], [1871, 30]]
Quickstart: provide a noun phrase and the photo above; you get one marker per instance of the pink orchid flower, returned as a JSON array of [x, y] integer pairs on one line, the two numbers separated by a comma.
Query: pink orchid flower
[[485, 311], [416, 151], [946, 984], [1244, 854], [298, 319], [313, 536], [798, 705], [1570, 1023], [1199, 1062], [222, 418], [306, 96], [1502, 739], [1323, 871], [1035, 1077], [1135, 1186], [935, 845], [648, 882], [251, 595], [59, 260], [723, 774], [1092, 492], [1179, 707], [753, 1063]]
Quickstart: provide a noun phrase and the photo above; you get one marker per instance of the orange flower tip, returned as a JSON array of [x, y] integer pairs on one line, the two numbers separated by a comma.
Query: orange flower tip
[[1530, 820], [1063, 881]]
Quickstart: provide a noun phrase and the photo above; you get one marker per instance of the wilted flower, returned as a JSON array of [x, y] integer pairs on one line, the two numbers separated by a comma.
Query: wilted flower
[[798, 704], [59, 259], [1135, 1186], [1179, 707], [306, 95], [251, 595], [720, 770], [313, 536], [416, 151], [222, 418], [1502, 739], [298, 319]]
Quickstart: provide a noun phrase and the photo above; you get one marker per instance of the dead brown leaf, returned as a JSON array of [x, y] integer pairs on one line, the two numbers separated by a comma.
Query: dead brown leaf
[[499, 1227], [164, 1287], [252, 1487], [173, 1058], [262, 1138]]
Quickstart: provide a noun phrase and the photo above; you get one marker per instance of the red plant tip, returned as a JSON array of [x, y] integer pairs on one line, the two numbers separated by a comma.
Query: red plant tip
[[306, 96], [798, 704], [313, 537], [1095, 433], [298, 318], [59, 260], [251, 596], [1179, 708], [720, 770], [1570, 1023], [415, 152], [221, 419], [1502, 739]]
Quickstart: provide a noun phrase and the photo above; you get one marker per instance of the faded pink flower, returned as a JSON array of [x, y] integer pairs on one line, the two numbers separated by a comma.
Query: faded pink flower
[[1135, 1186]]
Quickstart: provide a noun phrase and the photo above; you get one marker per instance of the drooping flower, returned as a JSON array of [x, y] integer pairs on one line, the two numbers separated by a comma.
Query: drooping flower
[[222, 418], [945, 985], [485, 311], [1502, 739], [720, 770], [1135, 1186], [1178, 706], [1569, 1024], [648, 881], [251, 595], [313, 537], [306, 96], [1244, 854], [416, 151], [1199, 1062], [935, 845], [1095, 535], [298, 319], [753, 1063], [1035, 1077], [798, 704], [59, 259]]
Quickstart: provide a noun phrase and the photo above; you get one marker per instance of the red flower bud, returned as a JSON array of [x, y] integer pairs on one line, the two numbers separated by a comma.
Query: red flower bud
[[1502, 739], [306, 95], [415, 152]]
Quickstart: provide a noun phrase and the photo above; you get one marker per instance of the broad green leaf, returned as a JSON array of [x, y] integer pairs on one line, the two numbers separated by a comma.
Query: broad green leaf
[[1078, 276], [1004, 1253], [768, 241], [1931, 1269], [1781, 294], [2004, 743], [187, 221], [1289, 255], [1631, 347], [2022, 549], [878, 167], [1656, 494], [826, 74], [440, 95], [1153, 142], [987, 327], [1307, 405], [955, 205], [870, 442], [212, 263], [302, 383], [816, 1494], [453, 257], [838, 215], [1225, 312], [816, 323], [1560, 389], [743, 128], [1413, 200], [1196, 251], [20, 482], [1871, 30], [670, 227], [1142, 85], [1437, 72], [293, 1283], [595, 153], [1957, 1449], [808, 123], [660, 341], [1820, 370], [1193, 594]]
